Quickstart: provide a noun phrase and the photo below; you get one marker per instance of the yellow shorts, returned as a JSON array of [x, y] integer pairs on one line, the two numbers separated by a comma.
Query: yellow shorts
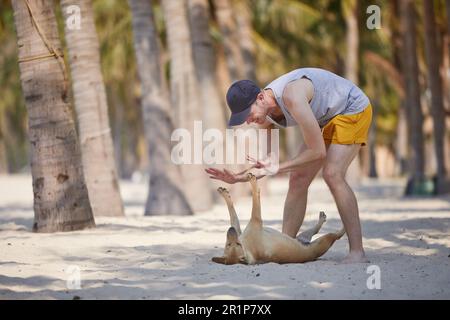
[[348, 128]]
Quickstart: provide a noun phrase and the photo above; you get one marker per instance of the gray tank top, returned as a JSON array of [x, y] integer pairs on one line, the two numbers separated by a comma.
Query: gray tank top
[[333, 95]]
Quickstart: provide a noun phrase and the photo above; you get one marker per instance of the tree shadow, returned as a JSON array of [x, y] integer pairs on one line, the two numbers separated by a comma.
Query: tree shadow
[[17, 216], [35, 281]]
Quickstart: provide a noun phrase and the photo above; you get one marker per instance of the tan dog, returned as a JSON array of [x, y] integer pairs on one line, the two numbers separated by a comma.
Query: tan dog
[[258, 244]]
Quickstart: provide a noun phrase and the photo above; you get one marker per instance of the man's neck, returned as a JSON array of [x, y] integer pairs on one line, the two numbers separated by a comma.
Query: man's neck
[[275, 111]]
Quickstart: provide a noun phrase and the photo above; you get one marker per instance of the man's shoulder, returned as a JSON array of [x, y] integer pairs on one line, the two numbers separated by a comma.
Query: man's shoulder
[[299, 88]]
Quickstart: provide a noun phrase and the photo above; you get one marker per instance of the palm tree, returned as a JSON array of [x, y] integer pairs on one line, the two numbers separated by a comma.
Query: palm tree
[[61, 201], [230, 38], [3, 159], [184, 96], [165, 195], [245, 30], [92, 111], [205, 67], [120, 76], [414, 112], [350, 12], [205, 64], [401, 148], [435, 85], [447, 5]]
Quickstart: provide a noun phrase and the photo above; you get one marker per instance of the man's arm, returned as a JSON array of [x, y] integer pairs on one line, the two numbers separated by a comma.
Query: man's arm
[[269, 126], [296, 97]]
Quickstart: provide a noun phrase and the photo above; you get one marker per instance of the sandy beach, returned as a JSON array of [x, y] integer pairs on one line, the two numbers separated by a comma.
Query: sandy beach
[[169, 257]]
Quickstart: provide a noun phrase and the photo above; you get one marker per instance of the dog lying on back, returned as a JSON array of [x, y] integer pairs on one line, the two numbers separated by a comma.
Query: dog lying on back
[[258, 244]]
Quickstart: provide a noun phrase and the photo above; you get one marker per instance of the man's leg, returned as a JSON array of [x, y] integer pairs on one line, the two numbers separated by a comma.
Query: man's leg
[[295, 204], [338, 159]]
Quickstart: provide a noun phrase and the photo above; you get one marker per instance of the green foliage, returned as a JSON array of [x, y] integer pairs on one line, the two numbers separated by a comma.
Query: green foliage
[[13, 120]]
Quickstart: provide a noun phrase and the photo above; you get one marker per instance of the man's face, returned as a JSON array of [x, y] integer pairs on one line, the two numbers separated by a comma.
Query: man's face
[[259, 110]]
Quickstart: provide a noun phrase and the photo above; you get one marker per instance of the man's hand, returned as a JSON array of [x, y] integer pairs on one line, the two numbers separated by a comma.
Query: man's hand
[[230, 177], [259, 164], [267, 166], [224, 175]]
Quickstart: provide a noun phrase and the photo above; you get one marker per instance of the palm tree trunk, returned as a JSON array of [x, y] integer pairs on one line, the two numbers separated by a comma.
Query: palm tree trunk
[[223, 78], [244, 27], [230, 39], [414, 112], [91, 107], [372, 142], [184, 95], [401, 143], [3, 156], [61, 201], [165, 194], [447, 5], [205, 65], [351, 70], [350, 9], [435, 85]]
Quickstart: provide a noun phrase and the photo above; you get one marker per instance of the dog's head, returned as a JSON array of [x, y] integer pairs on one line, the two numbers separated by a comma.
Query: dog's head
[[233, 252]]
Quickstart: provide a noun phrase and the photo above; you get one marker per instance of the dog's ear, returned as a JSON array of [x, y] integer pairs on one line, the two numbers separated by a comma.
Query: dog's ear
[[220, 260]]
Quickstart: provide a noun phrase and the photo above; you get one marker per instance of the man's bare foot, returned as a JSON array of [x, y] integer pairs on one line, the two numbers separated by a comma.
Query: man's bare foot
[[355, 257]]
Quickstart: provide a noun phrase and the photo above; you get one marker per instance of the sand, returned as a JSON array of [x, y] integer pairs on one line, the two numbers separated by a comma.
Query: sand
[[406, 239]]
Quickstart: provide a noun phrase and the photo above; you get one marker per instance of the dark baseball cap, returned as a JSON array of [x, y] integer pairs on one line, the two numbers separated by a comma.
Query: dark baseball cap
[[240, 97]]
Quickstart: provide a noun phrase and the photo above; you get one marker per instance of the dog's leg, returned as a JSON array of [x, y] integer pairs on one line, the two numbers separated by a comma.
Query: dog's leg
[[321, 245], [256, 205], [234, 220], [305, 236]]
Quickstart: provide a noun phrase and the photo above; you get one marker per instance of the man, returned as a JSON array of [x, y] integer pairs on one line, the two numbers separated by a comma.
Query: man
[[334, 116]]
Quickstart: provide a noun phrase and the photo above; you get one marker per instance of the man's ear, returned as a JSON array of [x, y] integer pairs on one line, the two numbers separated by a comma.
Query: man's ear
[[260, 95], [220, 260]]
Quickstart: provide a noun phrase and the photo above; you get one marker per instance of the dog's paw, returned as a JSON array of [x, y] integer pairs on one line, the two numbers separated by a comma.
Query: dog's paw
[[223, 191], [251, 177], [322, 216]]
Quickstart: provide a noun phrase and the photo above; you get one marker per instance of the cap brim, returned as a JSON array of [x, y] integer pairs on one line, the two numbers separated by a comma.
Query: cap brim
[[239, 118]]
